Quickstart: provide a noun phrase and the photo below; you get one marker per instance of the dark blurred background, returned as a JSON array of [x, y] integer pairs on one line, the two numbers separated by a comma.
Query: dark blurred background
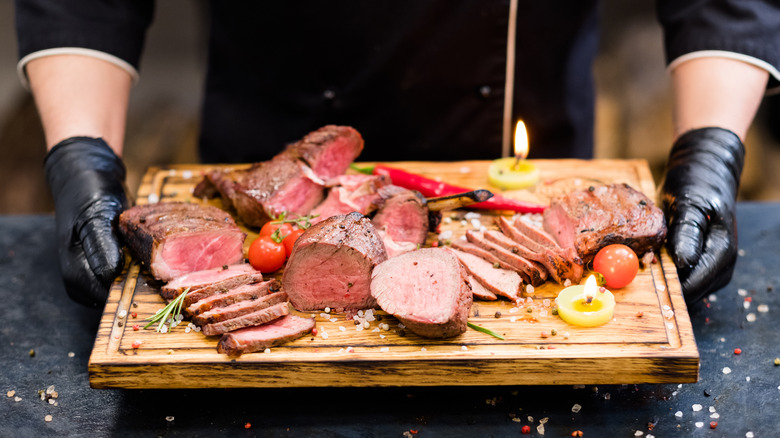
[[633, 110]]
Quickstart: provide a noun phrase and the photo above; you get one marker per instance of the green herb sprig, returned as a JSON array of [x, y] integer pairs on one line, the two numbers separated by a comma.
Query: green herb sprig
[[484, 330], [172, 311]]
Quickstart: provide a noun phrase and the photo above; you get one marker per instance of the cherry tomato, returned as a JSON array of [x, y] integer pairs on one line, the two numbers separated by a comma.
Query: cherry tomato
[[618, 264], [265, 255], [269, 228], [289, 241]]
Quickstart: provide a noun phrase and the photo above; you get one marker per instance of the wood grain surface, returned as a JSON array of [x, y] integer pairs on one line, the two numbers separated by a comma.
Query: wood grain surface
[[656, 347]]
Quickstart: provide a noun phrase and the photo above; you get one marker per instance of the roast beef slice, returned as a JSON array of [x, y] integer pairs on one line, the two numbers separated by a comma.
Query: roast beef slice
[[427, 290], [174, 238], [331, 263]]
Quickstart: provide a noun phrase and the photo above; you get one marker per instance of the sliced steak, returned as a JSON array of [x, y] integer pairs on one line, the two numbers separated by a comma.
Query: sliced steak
[[329, 150], [427, 290], [239, 308], [248, 340], [536, 274], [561, 265], [331, 263], [202, 284], [251, 319], [503, 282], [468, 247], [174, 238], [240, 293], [590, 219], [283, 184], [479, 290], [401, 216], [350, 193], [292, 182]]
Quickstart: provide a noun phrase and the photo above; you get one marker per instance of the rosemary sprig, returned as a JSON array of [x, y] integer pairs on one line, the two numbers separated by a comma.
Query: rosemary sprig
[[484, 330], [172, 311]]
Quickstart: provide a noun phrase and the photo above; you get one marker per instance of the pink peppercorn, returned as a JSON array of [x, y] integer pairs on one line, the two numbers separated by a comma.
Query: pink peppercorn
[[136, 344], [737, 351], [136, 327], [526, 429], [713, 424]]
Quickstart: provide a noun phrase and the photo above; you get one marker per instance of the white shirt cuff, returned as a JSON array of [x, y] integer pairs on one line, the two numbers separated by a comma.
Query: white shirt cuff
[[731, 55], [124, 65]]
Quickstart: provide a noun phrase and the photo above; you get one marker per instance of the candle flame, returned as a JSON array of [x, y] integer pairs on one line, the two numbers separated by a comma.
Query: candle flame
[[589, 291], [521, 141]]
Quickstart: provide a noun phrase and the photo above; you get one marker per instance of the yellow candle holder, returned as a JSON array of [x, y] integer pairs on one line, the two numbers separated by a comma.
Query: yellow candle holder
[[509, 173], [574, 309]]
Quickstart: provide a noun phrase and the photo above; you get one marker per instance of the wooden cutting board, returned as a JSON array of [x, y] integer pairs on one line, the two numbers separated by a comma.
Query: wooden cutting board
[[649, 340]]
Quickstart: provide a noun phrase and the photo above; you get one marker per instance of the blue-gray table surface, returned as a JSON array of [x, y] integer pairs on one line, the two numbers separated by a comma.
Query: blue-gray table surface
[[39, 317]]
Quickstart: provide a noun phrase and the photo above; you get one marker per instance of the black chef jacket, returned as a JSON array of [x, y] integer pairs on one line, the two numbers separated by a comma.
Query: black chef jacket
[[420, 79]]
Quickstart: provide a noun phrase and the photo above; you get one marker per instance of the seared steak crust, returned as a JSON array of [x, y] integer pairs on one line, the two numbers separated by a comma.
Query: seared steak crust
[[590, 219], [402, 217]]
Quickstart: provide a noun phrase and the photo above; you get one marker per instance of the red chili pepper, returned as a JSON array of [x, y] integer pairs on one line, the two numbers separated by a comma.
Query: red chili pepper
[[431, 188]]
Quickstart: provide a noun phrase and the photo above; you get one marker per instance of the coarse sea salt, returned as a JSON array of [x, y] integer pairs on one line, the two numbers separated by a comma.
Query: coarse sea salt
[[750, 317], [699, 423], [678, 414], [746, 304], [697, 407], [742, 292], [712, 298], [763, 308], [726, 370]]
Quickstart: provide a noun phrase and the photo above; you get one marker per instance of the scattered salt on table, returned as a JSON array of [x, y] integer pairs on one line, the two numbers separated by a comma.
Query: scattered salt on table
[[697, 407], [763, 308], [726, 370], [678, 414], [750, 317], [699, 423], [742, 292], [576, 408]]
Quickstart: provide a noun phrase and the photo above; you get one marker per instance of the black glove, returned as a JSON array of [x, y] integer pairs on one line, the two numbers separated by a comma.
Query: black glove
[[699, 198], [86, 180]]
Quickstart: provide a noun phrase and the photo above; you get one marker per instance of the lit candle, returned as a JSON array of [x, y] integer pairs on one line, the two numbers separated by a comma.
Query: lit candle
[[514, 173], [586, 305]]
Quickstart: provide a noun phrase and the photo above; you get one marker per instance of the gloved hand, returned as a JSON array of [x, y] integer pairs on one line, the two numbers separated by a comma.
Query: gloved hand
[[86, 179], [699, 199]]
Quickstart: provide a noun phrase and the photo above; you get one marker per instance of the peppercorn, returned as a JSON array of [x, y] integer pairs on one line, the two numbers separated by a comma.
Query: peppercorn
[[737, 351], [777, 361], [497, 314], [526, 429]]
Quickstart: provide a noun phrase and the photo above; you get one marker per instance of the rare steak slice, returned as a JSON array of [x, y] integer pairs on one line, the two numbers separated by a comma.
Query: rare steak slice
[[533, 272], [266, 189], [426, 289], [331, 262], [258, 317], [248, 340], [202, 284], [329, 150], [174, 238], [240, 308], [350, 193], [479, 290], [503, 282], [244, 292], [590, 219], [401, 219]]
